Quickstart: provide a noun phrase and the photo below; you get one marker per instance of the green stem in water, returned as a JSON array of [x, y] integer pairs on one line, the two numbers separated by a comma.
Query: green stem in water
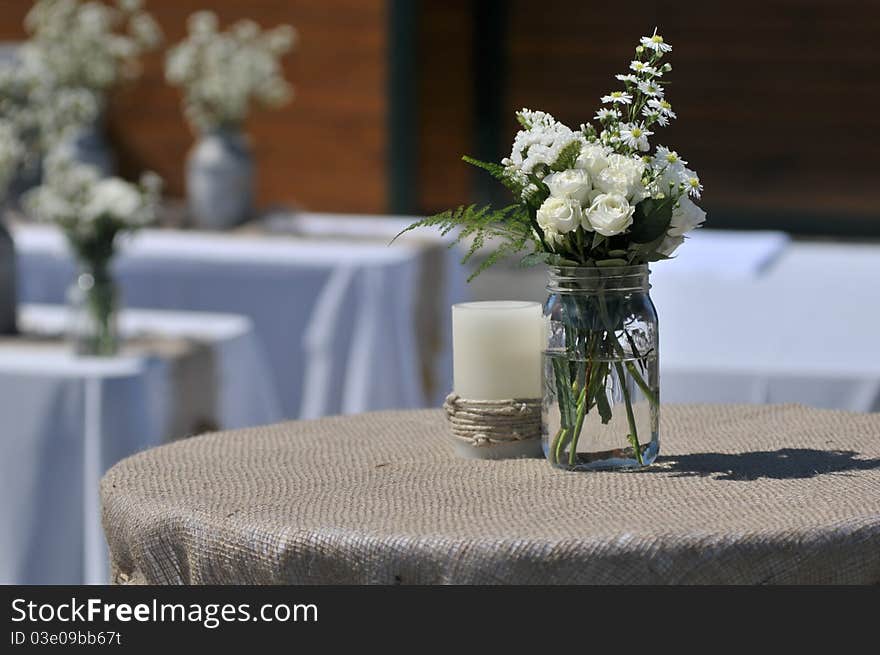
[[578, 426], [558, 443], [640, 381], [563, 391], [630, 417]]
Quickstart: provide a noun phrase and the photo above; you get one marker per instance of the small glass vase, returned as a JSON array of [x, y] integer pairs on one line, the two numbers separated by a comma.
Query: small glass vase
[[601, 388], [93, 302]]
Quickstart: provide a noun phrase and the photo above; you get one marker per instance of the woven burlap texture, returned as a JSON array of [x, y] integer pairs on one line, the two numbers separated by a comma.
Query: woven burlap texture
[[742, 495]]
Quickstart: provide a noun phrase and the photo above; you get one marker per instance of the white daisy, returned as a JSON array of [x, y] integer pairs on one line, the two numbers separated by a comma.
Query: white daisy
[[630, 79], [642, 68], [606, 114], [655, 42], [662, 106], [666, 156], [693, 185], [654, 116], [650, 88], [635, 135], [618, 97]]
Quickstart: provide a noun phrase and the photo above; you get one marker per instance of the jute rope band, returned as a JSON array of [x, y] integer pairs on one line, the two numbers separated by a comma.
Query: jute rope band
[[485, 423]]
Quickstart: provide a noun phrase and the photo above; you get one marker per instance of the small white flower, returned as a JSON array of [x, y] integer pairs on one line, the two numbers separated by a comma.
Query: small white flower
[[573, 183], [693, 185], [665, 156], [643, 68], [605, 114], [529, 192], [561, 215], [538, 146], [610, 214], [650, 88], [655, 42], [535, 118], [635, 135], [662, 107], [630, 79], [618, 97], [653, 116]]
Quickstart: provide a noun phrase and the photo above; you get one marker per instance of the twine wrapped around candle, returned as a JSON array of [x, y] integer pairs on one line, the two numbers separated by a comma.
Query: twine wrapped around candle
[[486, 423]]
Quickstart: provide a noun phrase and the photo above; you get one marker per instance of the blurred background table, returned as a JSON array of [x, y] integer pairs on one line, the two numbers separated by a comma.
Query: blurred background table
[[741, 495], [66, 419], [349, 324]]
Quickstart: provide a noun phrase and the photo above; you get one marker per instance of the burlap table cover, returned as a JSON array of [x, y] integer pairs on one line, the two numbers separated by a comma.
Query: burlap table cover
[[742, 495]]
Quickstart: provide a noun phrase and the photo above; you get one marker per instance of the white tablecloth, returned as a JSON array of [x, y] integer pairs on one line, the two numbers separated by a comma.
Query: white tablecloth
[[336, 315], [806, 330], [66, 419]]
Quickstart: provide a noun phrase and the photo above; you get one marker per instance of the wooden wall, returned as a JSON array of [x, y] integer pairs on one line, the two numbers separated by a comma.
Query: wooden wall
[[324, 151], [777, 99]]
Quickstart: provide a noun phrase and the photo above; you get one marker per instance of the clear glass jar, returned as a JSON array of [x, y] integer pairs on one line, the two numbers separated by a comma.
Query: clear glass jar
[[93, 301], [601, 387]]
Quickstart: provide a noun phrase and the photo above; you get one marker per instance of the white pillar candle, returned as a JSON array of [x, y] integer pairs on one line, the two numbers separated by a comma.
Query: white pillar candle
[[497, 349]]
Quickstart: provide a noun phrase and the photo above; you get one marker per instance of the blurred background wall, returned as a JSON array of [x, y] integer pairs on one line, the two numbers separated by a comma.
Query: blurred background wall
[[777, 99], [325, 151]]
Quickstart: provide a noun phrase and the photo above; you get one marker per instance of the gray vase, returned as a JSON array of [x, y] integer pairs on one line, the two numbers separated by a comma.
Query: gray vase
[[89, 145], [220, 179], [7, 282]]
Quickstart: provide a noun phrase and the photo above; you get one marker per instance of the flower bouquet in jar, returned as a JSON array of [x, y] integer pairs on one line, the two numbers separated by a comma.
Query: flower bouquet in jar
[[596, 205]]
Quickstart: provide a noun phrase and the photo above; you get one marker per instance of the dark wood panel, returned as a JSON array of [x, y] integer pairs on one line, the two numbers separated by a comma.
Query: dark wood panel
[[445, 104], [776, 99]]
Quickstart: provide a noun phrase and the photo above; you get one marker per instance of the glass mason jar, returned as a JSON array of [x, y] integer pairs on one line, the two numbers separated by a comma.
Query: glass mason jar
[[93, 303], [601, 388]]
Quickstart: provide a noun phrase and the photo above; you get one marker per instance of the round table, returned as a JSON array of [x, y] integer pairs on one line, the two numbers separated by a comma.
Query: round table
[[741, 495]]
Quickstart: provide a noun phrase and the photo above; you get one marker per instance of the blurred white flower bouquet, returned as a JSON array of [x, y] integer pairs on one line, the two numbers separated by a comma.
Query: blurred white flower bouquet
[[221, 73], [93, 211], [81, 48], [35, 115], [88, 45]]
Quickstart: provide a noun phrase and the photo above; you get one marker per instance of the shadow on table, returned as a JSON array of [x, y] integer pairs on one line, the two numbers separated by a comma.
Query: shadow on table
[[782, 464]]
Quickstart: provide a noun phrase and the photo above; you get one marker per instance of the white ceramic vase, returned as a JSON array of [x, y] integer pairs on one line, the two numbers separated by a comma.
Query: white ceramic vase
[[220, 179]]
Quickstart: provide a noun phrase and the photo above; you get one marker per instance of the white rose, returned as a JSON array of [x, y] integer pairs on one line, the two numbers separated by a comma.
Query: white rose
[[560, 215], [573, 183], [610, 214], [622, 176], [593, 158], [113, 197], [685, 217]]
